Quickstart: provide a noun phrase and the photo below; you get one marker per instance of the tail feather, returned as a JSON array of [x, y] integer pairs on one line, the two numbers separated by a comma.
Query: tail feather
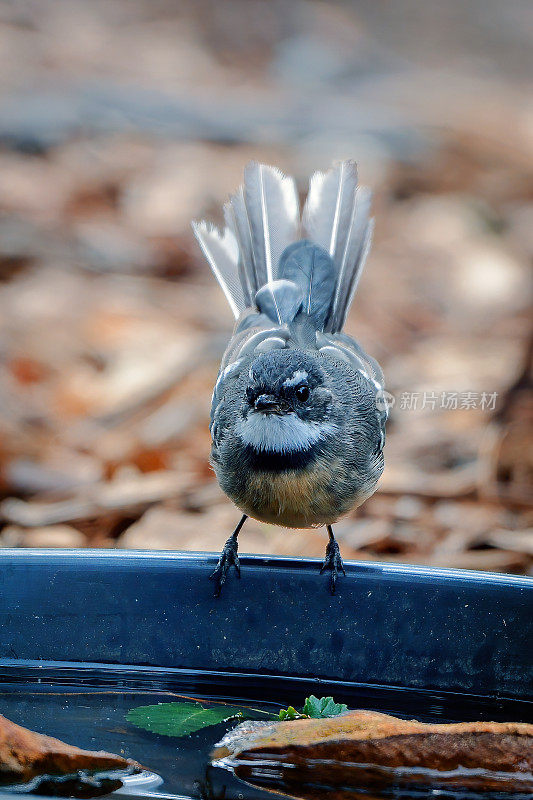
[[346, 298], [336, 216], [328, 209], [237, 221], [310, 268], [258, 247], [351, 264], [280, 300], [222, 254], [272, 206]]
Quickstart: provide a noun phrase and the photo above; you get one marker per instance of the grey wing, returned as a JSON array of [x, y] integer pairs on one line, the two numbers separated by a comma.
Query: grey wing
[[226, 378], [345, 347], [254, 332], [340, 345]]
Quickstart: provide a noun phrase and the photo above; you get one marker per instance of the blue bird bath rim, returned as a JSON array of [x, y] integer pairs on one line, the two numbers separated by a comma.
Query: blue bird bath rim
[[390, 627]]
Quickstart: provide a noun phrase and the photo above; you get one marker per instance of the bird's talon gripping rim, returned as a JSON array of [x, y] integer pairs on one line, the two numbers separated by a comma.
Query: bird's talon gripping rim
[[333, 561], [229, 557]]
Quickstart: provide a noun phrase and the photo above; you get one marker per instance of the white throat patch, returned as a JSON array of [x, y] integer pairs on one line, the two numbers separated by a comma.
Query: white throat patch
[[285, 433]]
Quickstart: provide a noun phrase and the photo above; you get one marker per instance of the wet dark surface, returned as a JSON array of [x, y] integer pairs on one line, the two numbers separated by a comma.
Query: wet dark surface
[[87, 708]]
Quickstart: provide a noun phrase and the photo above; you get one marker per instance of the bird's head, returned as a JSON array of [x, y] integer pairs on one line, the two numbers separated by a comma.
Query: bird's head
[[287, 407]]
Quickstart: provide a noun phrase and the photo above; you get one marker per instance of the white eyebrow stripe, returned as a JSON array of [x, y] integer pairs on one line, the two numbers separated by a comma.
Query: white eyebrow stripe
[[297, 377]]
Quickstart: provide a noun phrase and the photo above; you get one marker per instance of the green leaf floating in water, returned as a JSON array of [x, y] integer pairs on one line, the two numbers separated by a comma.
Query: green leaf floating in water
[[180, 719]]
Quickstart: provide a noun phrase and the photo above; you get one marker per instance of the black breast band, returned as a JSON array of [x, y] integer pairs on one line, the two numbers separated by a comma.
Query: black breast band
[[275, 461]]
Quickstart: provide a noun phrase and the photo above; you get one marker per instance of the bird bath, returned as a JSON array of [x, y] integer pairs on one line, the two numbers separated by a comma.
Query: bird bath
[[88, 635]]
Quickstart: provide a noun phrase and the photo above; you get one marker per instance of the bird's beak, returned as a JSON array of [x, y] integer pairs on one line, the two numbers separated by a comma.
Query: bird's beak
[[267, 403]]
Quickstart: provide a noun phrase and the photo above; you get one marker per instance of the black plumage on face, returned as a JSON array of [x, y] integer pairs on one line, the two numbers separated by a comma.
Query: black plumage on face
[[288, 381]]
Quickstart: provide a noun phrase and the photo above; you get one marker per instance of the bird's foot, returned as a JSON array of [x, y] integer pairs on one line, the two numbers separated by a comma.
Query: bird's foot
[[333, 562], [228, 557]]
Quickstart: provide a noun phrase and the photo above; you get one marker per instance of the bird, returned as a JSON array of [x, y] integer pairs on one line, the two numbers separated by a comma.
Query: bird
[[297, 425]]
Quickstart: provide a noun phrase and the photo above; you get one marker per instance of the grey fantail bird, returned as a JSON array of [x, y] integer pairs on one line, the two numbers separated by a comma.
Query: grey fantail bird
[[296, 419]]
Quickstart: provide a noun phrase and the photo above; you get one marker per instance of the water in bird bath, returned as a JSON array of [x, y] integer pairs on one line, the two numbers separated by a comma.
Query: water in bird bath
[[88, 708]]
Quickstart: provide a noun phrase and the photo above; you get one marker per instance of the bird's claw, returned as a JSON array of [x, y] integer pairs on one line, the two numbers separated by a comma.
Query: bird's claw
[[333, 562], [228, 557]]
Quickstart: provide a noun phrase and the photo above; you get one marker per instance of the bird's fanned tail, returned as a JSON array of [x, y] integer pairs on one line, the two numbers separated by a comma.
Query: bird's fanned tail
[[263, 245]]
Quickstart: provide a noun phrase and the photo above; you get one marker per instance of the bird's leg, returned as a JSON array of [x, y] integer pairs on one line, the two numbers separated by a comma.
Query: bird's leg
[[333, 560], [228, 557]]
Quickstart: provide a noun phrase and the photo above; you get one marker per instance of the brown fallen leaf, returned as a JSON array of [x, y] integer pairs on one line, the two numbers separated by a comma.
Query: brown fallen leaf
[[124, 494], [25, 755], [521, 541], [456, 483], [368, 749]]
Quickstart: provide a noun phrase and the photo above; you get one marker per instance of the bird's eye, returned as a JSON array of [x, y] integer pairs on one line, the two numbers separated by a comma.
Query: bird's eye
[[302, 393]]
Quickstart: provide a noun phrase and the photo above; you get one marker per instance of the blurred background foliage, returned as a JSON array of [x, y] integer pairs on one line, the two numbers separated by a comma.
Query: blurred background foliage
[[122, 120]]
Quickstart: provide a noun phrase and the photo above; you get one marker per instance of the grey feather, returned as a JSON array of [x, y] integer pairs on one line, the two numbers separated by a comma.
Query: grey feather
[[280, 300], [273, 211], [252, 320], [252, 343], [336, 353], [312, 269], [341, 343], [348, 292], [272, 343], [237, 221], [336, 216], [328, 209], [369, 364], [358, 239], [222, 254]]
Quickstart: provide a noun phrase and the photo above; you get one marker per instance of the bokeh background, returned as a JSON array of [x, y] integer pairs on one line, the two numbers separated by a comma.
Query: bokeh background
[[122, 120]]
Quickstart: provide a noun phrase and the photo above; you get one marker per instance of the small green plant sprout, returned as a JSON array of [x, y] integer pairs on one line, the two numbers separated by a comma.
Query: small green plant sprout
[[289, 713], [317, 708], [314, 708]]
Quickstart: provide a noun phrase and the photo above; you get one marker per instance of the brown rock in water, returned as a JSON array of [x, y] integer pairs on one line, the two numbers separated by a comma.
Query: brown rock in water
[[25, 755], [367, 749]]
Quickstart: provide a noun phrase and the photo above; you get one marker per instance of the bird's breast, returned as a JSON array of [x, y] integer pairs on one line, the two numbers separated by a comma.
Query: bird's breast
[[296, 498], [305, 497]]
